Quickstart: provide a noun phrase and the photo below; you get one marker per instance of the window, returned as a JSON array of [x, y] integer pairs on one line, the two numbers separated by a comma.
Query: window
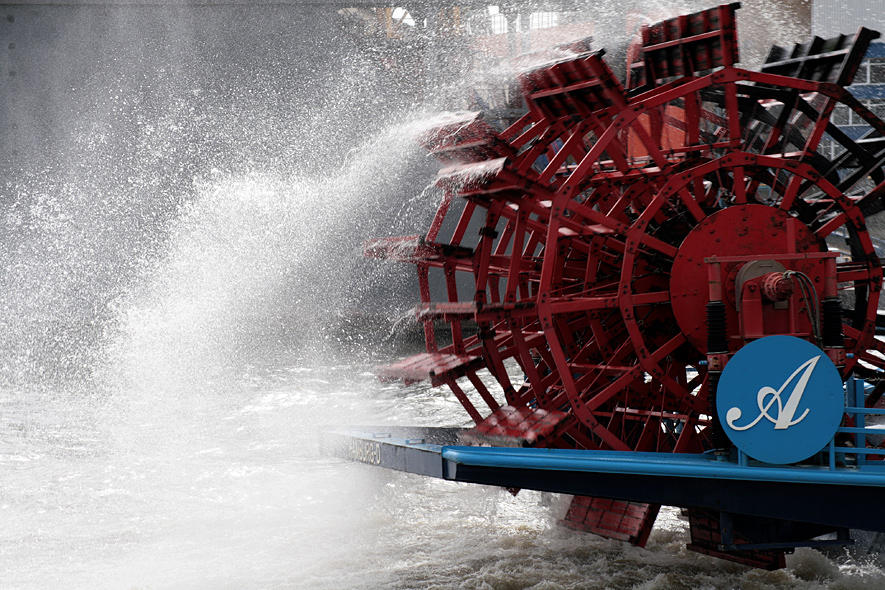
[[497, 20], [401, 15], [878, 109], [877, 72], [543, 20], [862, 75], [841, 115]]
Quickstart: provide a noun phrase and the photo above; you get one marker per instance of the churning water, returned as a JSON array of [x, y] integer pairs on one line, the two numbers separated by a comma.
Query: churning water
[[180, 260], [212, 479]]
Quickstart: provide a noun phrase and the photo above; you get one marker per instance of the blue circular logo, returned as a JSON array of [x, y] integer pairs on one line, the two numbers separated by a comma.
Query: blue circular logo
[[780, 399]]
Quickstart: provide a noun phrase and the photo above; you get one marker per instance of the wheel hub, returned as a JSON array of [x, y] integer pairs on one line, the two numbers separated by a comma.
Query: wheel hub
[[745, 236]]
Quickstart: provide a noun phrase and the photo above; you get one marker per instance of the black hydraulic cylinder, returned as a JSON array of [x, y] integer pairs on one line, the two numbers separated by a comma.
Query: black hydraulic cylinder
[[832, 336], [717, 343]]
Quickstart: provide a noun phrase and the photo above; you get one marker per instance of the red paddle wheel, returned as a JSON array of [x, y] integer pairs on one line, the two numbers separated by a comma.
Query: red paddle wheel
[[604, 255]]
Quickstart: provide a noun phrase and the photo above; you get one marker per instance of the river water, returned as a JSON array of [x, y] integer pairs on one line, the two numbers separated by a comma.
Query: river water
[[218, 483]]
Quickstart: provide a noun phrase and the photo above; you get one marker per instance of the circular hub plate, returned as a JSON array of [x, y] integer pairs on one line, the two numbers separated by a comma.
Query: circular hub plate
[[750, 230]]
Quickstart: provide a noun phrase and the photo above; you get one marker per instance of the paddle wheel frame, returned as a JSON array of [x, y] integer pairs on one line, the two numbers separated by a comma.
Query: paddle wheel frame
[[604, 256]]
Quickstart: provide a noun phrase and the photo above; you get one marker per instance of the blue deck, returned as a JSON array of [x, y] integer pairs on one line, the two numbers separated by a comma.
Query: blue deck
[[659, 465], [829, 493]]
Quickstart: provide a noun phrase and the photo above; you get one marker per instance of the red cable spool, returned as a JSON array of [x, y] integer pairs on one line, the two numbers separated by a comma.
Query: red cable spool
[[585, 243]]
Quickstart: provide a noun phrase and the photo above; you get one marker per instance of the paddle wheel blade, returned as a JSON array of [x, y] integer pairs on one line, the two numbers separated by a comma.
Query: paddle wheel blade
[[614, 519], [509, 426]]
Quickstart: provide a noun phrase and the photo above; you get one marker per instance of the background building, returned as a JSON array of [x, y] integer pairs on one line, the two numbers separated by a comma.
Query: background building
[[843, 17]]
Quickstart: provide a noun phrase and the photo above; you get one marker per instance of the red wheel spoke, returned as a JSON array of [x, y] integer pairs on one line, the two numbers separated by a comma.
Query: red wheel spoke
[[852, 274], [693, 207], [739, 185], [831, 226], [650, 298], [579, 304]]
